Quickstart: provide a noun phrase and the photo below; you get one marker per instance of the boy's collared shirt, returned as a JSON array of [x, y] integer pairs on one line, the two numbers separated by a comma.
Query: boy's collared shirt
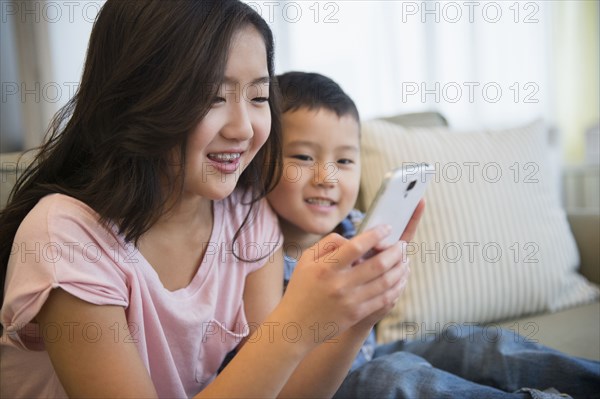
[[347, 229]]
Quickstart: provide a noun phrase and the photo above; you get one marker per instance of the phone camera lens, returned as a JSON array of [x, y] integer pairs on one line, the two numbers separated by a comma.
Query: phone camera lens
[[411, 185]]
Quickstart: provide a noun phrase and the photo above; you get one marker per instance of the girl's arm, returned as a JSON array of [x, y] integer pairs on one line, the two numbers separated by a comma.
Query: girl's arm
[[324, 290], [364, 294], [323, 370], [103, 367], [97, 366], [325, 367]]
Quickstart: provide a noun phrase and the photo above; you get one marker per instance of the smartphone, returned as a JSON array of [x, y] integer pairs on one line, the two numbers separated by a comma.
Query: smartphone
[[397, 199]]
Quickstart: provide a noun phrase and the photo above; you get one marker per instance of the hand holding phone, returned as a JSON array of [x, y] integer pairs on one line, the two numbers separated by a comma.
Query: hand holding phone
[[397, 199]]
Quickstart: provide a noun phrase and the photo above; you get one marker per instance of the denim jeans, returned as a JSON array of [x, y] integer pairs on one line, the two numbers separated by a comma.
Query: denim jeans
[[472, 363]]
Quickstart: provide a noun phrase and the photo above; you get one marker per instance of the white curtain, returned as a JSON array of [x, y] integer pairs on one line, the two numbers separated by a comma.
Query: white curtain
[[480, 63]]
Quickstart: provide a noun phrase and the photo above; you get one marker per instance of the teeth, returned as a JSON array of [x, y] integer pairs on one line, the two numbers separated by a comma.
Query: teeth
[[225, 157], [319, 201]]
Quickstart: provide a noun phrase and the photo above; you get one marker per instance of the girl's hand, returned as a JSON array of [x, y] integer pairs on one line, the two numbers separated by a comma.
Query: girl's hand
[[401, 269], [327, 295], [403, 266]]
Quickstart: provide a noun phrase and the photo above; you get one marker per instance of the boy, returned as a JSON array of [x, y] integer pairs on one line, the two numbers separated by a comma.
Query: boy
[[321, 171], [319, 186]]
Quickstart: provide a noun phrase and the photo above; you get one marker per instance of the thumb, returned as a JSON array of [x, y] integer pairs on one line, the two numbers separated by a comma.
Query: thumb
[[325, 248]]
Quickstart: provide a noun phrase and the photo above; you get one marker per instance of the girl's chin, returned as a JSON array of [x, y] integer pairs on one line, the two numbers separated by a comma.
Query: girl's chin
[[218, 195], [215, 193]]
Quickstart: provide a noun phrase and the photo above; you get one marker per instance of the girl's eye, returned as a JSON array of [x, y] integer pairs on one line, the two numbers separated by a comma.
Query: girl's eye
[[218, 100], [260, 99], [302, 157], [345, 161]]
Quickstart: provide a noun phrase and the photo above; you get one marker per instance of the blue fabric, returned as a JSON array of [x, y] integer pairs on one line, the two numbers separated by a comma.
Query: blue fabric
[[471, 363]]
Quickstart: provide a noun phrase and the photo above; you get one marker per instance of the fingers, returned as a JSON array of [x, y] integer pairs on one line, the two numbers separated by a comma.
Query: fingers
[[325, 249], [329, 244], [379, 262], [405, 276], [382, 293], [411, 228], [350, 251], [348, 294]]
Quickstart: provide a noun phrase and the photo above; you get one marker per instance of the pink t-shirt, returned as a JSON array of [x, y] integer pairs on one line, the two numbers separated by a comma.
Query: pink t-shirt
[[182, 336]]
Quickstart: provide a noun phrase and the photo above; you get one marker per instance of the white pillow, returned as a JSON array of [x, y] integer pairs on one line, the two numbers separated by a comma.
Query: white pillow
[[494, 242]]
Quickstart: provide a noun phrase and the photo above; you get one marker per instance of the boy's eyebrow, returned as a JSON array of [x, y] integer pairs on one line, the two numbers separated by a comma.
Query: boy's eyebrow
[[257, 81], [316, 145], [348, 147]]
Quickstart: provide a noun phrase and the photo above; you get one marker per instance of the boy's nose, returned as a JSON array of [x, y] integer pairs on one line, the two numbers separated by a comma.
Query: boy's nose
[[324, 174]]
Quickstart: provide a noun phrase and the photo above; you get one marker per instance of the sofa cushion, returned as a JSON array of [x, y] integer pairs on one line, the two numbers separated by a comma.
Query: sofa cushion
[[418, 119], [574, 331], [12, 164], [585, 225], [494, 242]]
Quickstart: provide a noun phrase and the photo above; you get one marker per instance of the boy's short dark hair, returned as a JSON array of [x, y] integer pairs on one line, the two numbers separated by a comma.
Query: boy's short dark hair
[[314, 91]]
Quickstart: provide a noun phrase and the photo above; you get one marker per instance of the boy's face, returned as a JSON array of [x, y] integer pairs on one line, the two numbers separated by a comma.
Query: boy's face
[[321, 170]]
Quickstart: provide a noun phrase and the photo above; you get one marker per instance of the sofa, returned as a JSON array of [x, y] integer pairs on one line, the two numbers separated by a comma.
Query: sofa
[[495, 247], [492, 251]]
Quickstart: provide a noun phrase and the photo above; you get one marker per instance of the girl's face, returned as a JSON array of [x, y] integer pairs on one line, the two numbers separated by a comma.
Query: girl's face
[[237, 125]]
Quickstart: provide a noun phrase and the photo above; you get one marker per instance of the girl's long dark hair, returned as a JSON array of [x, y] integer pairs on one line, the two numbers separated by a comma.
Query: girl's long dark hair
[[151, 72]]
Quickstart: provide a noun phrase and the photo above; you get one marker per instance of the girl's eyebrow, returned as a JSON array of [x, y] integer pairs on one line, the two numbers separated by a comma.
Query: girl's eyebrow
[[257, 81]]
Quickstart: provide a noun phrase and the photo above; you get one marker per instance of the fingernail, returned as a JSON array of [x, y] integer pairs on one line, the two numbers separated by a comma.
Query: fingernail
[[385, 229], [404, 246]]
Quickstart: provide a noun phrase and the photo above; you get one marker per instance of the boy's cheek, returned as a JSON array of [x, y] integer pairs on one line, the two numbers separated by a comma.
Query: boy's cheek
[[351, 178], [294, 173]]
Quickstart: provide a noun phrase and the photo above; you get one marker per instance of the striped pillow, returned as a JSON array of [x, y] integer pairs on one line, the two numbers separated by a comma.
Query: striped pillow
[[494, 242]]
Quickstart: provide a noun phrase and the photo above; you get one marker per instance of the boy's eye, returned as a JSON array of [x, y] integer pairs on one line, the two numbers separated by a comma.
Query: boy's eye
[[345, 161], [302, 157]]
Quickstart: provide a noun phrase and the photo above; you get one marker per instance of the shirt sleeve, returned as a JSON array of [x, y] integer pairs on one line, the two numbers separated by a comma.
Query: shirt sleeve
[[60, 244]]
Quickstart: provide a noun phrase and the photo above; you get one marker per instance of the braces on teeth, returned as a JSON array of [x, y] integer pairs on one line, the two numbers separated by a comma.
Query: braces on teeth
[[225, 157]]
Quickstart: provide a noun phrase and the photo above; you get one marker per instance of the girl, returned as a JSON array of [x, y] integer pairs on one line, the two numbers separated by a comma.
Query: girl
[[138, 250]]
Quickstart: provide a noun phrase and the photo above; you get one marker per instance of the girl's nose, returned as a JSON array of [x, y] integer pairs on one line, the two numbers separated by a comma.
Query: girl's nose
[[239, 125]]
